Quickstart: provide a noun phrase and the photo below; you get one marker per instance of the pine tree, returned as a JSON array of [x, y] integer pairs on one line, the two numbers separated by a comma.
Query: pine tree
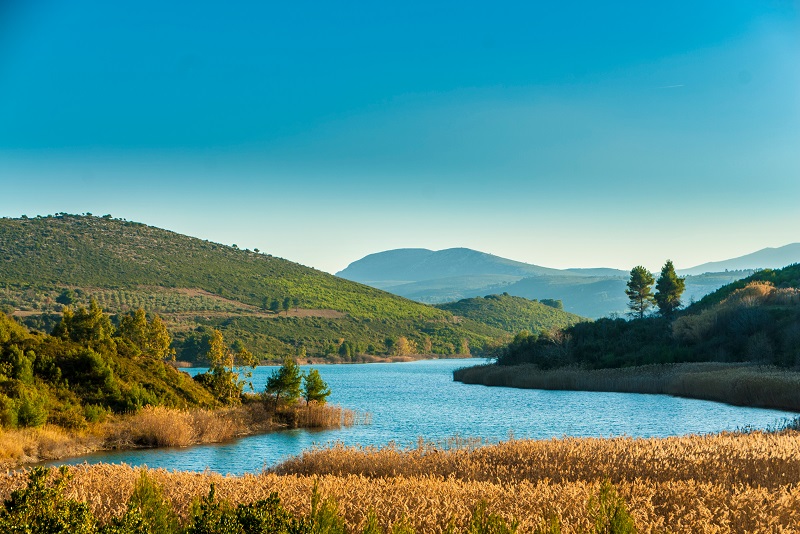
[[669, 289], [315, 388], [639, 291], [284, 383]]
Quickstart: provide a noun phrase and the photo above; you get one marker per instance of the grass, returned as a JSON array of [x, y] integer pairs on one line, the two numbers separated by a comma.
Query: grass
[[725, 483], [161, 426], [737, 384]]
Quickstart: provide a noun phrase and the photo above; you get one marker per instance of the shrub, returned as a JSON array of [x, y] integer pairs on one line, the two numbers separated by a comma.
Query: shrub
[[608, 513], [41, 508]]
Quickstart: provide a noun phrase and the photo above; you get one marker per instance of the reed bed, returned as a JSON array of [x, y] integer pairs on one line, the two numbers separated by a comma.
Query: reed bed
[[159, 426], [727, 483], [737, 384]]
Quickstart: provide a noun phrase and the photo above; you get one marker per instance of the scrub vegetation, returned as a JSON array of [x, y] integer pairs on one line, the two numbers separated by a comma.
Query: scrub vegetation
[[513, 314], [273, 306], [750, 329], [93, 385]]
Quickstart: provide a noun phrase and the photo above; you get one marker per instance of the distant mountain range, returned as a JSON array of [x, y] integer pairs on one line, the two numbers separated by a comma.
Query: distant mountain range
[[449, 275], [766, 258]]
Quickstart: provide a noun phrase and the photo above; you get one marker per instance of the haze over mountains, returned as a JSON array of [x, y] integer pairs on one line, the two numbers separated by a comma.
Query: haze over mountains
[[457, 273]]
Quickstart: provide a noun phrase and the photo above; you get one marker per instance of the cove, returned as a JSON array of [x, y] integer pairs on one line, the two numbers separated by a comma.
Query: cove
[[412, 400]]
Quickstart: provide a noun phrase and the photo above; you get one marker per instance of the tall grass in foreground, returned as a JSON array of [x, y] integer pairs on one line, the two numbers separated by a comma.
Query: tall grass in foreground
[[727, 483], [738, 384]]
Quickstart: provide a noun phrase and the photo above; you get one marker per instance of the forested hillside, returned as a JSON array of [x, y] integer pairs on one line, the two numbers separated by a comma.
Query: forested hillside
[[753, 320], [514, 314], [274, 306], [85, 373]]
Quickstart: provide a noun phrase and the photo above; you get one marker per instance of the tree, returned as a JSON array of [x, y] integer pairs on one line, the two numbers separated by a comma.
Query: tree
[[286, 304], [227, 367], [285, 382], [315, 388], [66, 297], [403, 347], [669, 289], [275, 306], [639, 291], [91, 327]]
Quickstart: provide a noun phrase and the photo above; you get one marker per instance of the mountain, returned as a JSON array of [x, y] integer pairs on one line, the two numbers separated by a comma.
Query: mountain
[[459, 273], [767, 258], [404, 266], [513, 314], [273, 306]]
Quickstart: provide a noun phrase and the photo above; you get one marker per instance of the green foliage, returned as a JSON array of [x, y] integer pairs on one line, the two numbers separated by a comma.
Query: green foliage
[[325, 517], [66, 297], [484, 522], [669, 289], [639, 291], [193, 283], [284, 383], [212, 516], [315, 389], [148, 511], [224, 378], [69, 383], [42, 508], [151, 338], [608, 513], [32, 411], [513, 314], [744, 322]]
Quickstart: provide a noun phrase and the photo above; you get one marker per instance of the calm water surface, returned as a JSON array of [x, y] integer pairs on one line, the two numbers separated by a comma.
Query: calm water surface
[[419, 399]]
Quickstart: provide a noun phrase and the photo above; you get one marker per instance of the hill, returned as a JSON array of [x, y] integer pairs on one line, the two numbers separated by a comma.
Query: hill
[[403, 266], [767, 258], [274, 306], [513, 314], [454, 274], [754, 320]]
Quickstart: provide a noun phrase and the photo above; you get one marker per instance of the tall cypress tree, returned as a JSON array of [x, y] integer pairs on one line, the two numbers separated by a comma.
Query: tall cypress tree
[[669, 289], [639, 291]]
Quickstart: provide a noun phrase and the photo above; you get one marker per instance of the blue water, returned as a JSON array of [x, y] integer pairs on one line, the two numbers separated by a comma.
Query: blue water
[[413, 400]]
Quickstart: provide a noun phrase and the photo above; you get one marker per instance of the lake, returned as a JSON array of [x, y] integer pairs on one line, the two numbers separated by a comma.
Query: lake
[[413, 400]]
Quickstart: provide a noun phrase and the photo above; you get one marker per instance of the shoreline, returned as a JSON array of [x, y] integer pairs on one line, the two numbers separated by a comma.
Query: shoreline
[[736, 384], [161, 427], [364, 358]]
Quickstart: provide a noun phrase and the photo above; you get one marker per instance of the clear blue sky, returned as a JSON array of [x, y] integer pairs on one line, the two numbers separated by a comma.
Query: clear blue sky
[[564, 134]]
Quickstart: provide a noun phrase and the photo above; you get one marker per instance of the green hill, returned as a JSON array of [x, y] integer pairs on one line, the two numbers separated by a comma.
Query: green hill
[[513, 314], [754, 320], [274, 306]]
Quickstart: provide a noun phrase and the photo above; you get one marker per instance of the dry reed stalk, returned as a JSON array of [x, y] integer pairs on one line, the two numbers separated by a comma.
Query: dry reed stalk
[[431, 502], [738, 384]]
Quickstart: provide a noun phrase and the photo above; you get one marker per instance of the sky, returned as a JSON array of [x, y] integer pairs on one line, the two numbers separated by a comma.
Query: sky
[[563, 134]]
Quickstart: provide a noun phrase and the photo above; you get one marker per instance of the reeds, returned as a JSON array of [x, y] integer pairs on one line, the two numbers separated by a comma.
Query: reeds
[[726, 483], [738, 384], [159, 426]]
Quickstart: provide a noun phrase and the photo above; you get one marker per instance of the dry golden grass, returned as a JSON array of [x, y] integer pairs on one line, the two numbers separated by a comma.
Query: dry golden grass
[[738, 384], [729, 483], [164, 427], [45, 443]]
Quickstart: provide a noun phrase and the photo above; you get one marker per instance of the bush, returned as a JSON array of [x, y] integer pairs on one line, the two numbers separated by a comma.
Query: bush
[[41, 508], [608, 513]]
